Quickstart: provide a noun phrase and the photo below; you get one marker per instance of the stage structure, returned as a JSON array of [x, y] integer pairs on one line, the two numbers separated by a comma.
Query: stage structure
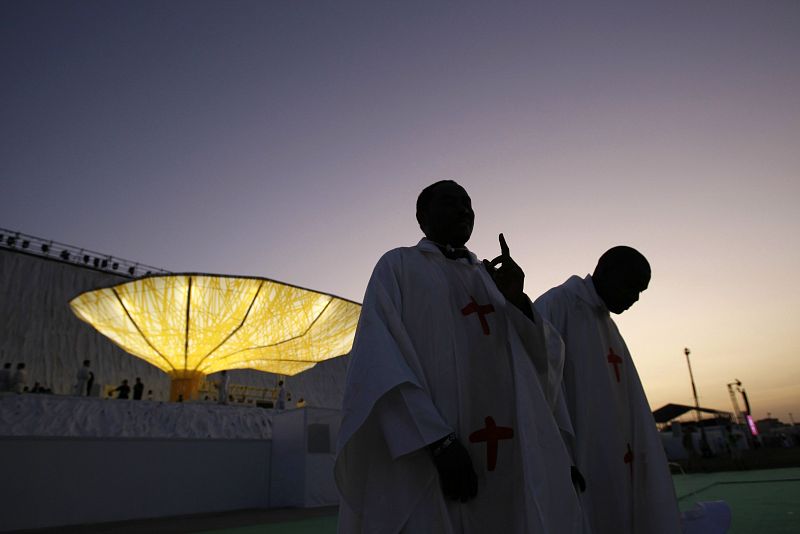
[[192, 325]]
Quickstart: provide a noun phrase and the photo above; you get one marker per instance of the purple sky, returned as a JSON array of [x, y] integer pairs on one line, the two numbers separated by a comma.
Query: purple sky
[[290, 139]]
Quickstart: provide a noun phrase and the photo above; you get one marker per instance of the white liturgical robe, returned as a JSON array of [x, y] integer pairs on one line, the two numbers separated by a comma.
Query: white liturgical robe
[[82, 377], [616, 445], [438, 350]]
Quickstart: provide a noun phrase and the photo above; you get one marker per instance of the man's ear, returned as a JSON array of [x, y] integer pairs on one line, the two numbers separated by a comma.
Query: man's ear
[[422, 222]]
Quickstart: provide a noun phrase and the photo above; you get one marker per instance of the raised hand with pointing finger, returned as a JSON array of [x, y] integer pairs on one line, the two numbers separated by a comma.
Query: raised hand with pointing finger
[[509, 278]]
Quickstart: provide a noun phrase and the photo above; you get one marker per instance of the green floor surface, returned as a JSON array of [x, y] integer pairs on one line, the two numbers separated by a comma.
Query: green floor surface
[[765, 501]]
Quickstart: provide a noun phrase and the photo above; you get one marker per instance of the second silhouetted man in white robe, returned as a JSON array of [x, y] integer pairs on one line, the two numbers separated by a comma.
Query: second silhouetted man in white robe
[[628, 487]]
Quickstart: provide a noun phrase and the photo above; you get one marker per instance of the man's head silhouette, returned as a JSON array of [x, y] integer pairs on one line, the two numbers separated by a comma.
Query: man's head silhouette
[[444, 213], [622, 273]]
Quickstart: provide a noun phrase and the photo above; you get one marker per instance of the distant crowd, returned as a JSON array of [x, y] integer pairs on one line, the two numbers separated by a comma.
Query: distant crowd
[[16, 381]]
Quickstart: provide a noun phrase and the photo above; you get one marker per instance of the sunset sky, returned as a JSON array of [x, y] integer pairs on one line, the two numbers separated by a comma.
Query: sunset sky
[[289, 139]]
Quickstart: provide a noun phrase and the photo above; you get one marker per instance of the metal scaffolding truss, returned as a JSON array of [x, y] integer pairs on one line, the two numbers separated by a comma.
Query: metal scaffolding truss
[[47, 248]]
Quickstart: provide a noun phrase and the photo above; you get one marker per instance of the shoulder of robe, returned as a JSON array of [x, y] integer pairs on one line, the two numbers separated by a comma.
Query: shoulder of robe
[[390, 260], [396, 254], [556, 305], [393, 265], [555, 297], [399, 257]]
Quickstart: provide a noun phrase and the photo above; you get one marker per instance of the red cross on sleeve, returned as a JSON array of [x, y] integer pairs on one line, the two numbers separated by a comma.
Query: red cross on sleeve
[[614, 360], [628, 459]]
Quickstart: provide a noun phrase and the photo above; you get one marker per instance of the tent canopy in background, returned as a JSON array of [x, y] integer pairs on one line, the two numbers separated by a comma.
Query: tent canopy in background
[[200, 323]]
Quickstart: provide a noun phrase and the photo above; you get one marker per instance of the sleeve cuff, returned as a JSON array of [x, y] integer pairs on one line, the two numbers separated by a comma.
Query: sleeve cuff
[[409, 420]]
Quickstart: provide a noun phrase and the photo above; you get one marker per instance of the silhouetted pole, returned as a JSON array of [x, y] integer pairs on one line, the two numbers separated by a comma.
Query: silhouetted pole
[[737, 412], [687, 352], [746, 402], [748, 419]]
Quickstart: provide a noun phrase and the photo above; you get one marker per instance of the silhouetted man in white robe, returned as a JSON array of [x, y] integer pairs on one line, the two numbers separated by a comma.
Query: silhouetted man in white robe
[[20, 379], [616, 445], [222, 388], [5, 377], [82, 379], [441, 431], [281, 400]]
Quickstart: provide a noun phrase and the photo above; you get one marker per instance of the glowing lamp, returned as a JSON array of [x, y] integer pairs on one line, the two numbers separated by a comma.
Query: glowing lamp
[[752, 425], [192, 325]]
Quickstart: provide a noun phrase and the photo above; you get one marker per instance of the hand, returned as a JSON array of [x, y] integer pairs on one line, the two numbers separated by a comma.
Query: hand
[[456, 474], [509, 277], [577, 479]]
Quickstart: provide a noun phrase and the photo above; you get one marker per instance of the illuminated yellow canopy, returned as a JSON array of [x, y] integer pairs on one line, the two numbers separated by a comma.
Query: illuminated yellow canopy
[[188, 324]]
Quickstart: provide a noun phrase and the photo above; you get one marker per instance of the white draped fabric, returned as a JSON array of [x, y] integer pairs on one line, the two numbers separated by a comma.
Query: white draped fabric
[[439, 350], [616, 445]]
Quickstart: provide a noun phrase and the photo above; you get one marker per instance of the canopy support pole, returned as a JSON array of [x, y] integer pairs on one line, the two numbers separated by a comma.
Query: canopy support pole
[[185, 385]]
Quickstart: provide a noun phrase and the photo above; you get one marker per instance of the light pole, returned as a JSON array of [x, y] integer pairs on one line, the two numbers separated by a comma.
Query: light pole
[[747, 419], [687, 352], [737, 412]]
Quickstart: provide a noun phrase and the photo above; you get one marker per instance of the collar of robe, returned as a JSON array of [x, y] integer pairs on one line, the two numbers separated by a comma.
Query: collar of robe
[[447, 251], [584, 289]]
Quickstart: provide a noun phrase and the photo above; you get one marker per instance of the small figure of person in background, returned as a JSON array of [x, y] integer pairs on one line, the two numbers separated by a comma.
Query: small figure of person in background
[[5, 377], [149, 394], [281, 403], [82, 376], [138, 389], [222, 388], [123, 390], [20, 379], [90, 384], [301, 403]]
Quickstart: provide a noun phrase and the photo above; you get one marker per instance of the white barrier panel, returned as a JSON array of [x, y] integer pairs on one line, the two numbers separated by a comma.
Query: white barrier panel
[[303, 452], [62, 481]]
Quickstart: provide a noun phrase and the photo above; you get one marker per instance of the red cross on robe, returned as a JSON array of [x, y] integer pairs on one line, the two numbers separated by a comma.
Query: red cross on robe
[[481, 310], [491, 434], [614, 360], [628, 459]]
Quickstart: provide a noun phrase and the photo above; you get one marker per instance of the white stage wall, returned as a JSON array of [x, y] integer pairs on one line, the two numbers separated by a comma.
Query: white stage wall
[[38, 328], [63, 481], [41, 415], [74, 460]]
